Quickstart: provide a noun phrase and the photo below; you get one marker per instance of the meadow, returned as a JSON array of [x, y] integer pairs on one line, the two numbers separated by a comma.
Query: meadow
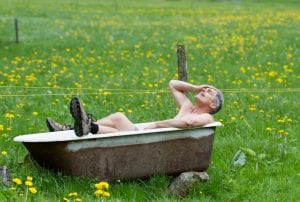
[[120, 55]]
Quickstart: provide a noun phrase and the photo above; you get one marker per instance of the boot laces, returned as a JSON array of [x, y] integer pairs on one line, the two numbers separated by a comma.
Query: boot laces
[[90, 117], [66, 126]]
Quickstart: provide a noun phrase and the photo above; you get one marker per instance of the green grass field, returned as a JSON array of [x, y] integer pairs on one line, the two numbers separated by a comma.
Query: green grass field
[[120, 55]]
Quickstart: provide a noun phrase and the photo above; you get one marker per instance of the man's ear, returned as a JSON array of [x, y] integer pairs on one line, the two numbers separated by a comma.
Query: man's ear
[[212, 105]]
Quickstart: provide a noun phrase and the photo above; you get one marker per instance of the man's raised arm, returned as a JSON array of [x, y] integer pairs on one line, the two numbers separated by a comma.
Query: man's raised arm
[[178, 88]]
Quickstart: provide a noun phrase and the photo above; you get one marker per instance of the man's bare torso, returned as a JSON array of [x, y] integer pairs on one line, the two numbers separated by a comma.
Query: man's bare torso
[[189, 110]]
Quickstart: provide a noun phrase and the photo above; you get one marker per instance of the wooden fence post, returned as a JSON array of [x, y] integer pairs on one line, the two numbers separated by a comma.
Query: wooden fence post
[[182, 63]]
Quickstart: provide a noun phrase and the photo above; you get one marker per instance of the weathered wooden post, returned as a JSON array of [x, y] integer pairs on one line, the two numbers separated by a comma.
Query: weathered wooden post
[[17, 30], [182, 63]]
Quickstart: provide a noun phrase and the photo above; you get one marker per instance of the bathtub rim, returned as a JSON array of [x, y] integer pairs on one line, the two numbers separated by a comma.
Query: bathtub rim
[[64, 136]]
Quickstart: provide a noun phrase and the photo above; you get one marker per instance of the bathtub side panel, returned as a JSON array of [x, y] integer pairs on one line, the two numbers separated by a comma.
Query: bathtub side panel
[[127, 162]]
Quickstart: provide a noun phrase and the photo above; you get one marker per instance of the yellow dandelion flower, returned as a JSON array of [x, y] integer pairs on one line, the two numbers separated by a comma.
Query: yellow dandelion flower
[[32, 190], [137, 46], [99, 192], [282, 132], [191, 38], [105, 185], [129, 111], [28, 183], [4, 153], [106, 194], [72, 194], [106, 93], [252, 108], [280, 121], [30, 78], [18, 181], [198, 46], [243, 69], [8, 129], [272, 73], [9, 115], [209, 78], [35, 113], [78, 200], [13, 188], [1, 127], [102, 185], [29, 178], [20, 105], [269, 129], [66, 200], [279, 80]]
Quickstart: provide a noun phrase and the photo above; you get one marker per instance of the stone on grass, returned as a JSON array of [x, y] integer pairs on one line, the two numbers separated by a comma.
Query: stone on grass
[[4, 176], [182, 184]]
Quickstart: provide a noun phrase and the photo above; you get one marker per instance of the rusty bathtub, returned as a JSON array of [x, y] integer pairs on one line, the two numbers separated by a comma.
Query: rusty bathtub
[[123, 155]]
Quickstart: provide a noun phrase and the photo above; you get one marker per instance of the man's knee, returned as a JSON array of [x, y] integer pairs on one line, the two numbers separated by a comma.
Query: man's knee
[[118, 116]]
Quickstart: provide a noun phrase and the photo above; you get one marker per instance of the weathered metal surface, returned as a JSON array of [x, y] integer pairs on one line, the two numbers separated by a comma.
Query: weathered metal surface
[[134, 156]]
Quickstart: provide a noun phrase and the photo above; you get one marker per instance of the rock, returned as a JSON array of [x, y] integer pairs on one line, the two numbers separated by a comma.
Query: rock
[[4, 175], [181, 185]]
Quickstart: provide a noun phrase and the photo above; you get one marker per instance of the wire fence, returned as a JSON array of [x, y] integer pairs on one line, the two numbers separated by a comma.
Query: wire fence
[[104, 91]]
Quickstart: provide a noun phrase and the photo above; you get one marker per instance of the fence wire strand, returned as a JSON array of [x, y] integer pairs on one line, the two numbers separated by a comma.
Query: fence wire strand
[[120, 91]]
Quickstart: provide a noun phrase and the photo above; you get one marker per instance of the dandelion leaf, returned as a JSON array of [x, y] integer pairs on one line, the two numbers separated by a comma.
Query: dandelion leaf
[[248, 151], [23, 158]]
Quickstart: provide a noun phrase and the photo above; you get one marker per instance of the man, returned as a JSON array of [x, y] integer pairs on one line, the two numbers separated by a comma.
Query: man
[[208, 100]]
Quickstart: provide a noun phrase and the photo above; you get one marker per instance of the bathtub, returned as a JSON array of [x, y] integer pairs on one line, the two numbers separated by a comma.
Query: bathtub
[[123, 155]]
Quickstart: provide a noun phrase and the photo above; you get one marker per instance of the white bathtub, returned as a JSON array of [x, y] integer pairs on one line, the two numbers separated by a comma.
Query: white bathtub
[[123, 155]]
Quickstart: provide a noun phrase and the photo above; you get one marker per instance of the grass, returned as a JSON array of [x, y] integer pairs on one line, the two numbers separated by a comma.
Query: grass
[[94, 49]]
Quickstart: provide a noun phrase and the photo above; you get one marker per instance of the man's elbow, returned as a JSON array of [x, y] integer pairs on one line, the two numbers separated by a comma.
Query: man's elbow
[[189, 124], [194, 124]]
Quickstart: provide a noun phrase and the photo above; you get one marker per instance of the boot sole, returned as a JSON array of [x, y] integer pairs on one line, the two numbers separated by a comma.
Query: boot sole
[[49, 126], [76, 114]]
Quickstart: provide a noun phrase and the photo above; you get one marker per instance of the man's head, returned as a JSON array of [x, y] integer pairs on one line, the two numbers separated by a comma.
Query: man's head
[[218, 101], [210, 98]]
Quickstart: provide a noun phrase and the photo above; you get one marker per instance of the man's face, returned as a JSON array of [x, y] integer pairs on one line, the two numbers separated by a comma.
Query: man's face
[[206, 95]]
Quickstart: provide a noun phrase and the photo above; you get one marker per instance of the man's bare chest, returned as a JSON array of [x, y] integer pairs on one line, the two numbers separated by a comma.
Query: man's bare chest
[[187, 111]]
